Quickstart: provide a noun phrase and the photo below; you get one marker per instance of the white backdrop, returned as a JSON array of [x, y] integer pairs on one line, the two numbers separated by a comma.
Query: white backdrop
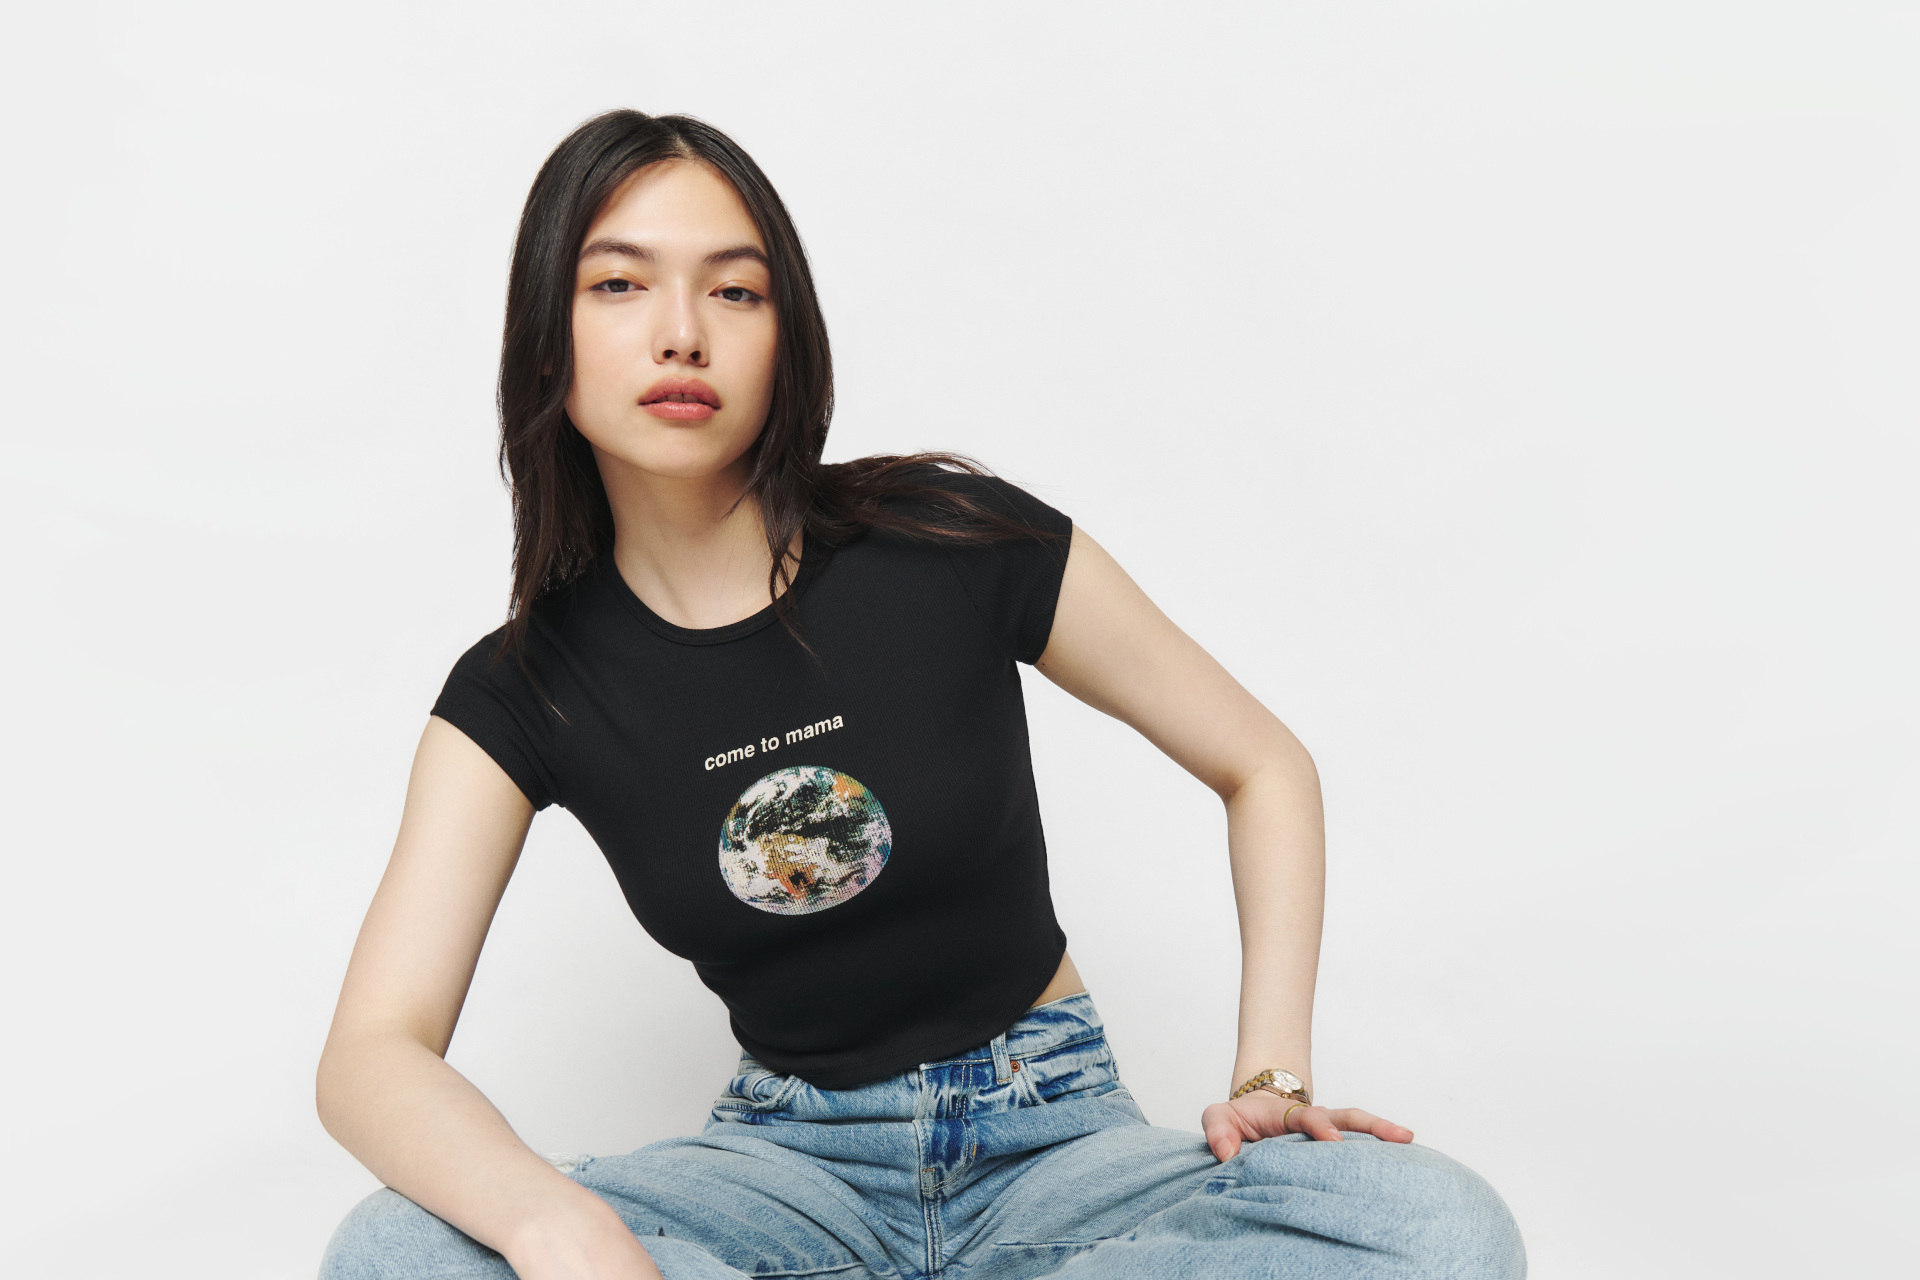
[[1519, 398]]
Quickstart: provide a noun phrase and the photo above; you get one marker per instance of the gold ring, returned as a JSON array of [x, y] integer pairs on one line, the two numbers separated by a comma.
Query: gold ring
[[1288, 1112]]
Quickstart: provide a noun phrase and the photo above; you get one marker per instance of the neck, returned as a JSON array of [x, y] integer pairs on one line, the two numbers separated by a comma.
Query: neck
[[692, 548]]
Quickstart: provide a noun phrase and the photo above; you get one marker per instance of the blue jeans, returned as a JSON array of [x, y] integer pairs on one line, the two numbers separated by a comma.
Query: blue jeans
[[1026, 1157]]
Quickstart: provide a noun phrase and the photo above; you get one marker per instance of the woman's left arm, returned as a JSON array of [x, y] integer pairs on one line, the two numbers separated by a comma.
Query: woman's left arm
[[1115, 651]]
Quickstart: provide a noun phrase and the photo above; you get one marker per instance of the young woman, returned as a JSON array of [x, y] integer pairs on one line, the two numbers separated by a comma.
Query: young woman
[[781, 695]]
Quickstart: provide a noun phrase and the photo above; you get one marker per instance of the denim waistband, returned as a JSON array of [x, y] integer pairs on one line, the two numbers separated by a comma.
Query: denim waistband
[[1042, 1029], [1055, 1051]]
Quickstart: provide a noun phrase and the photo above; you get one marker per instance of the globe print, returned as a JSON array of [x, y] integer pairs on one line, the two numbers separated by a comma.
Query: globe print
[[802, 840]]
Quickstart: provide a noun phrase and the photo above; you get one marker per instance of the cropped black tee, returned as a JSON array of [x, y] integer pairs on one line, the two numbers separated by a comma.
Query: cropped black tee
[[846, 844]]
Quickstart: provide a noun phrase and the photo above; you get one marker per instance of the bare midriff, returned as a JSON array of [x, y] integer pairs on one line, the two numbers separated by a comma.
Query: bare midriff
[[1066, 982]]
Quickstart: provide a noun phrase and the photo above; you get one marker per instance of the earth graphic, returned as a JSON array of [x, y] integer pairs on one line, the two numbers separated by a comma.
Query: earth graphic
[[803, 839]]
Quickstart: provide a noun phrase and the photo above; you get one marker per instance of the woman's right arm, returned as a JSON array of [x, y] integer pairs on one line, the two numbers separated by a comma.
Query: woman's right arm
[[385, 1091]]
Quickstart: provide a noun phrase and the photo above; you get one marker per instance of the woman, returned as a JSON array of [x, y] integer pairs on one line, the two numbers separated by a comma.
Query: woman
[[781, 695]]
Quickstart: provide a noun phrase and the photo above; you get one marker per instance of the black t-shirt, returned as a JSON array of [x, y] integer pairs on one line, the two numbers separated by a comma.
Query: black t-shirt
[[845, 843]]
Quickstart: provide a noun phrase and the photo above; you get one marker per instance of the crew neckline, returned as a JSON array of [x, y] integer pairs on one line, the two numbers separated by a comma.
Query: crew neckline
[[753, 622]]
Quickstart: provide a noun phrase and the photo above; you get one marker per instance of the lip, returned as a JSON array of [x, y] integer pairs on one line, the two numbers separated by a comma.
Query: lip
[[681, 400]]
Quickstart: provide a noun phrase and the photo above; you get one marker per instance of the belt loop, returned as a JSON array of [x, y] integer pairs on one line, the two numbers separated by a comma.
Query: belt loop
[[1002, 1069]]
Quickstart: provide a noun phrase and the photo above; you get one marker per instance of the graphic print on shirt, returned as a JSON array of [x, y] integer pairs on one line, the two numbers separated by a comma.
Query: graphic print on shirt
[[803, 839]]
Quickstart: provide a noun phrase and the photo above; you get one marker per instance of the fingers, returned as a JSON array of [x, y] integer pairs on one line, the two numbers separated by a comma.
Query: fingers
[[1354, 1120], [1224, 1131], [1230, 1125], [1317, 1123]]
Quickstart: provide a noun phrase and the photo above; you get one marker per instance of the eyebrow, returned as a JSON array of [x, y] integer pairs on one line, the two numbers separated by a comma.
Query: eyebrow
[[628, 249], [625, 248], [738, 253]]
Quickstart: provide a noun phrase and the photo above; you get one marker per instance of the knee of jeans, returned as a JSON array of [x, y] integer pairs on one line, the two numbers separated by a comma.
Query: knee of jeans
[[390, 1237], [1420, 1203], [1466, 1223]]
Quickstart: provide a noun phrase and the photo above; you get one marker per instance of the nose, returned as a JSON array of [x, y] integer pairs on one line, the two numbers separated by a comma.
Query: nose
[[679, 339]]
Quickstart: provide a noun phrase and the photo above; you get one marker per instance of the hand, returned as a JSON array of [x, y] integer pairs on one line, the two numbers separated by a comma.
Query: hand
[[1261, 1114]]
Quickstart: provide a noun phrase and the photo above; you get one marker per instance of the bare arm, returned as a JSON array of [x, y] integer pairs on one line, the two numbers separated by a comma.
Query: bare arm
[[385, 1091], [1114, 650]]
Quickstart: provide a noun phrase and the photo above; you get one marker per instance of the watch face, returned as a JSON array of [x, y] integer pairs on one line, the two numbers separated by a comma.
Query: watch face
[[1288, 1080]]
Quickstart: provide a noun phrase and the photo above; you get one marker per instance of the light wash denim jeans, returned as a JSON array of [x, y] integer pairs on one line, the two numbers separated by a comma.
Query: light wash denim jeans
[[1024, 1158]]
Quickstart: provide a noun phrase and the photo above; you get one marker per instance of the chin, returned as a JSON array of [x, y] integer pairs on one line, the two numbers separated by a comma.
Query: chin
[[671, 471], [695, 455]]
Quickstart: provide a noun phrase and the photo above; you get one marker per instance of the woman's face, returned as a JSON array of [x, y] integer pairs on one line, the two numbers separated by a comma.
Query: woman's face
[[673, 333]]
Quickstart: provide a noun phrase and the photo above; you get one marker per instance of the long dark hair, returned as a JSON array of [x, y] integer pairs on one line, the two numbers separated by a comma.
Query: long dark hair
[[562, 520]]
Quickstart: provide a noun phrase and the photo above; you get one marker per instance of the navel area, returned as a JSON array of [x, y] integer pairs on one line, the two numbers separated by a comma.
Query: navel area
[[766, 746]]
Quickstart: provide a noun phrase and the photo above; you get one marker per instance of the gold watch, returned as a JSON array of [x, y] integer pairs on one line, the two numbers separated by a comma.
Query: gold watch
[[1276, 1080]]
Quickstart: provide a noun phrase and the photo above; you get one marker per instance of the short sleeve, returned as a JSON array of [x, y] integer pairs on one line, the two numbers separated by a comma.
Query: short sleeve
[[496, 705], [1014, 584]]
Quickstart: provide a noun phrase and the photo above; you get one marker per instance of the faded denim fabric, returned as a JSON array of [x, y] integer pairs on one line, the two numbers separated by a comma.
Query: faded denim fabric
[[1025, 1158]]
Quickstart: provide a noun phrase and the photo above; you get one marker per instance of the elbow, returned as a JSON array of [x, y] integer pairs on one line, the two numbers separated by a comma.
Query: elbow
[[327, 1100], [1304, 762], [345, 1062], [357, 1068], [1282, 760]]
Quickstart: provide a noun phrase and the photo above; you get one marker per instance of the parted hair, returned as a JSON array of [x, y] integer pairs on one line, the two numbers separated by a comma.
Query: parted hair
[[562, 520]]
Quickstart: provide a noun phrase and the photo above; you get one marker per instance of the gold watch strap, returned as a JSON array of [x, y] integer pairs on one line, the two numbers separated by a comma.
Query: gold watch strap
[[1267, 1080]]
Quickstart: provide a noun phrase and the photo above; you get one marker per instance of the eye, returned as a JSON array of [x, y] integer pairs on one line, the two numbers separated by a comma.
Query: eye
[[617, 286], [737, 293]]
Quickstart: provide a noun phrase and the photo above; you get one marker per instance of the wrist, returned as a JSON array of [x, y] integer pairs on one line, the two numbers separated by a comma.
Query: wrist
[[1248, 1067], [561, 1218]]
